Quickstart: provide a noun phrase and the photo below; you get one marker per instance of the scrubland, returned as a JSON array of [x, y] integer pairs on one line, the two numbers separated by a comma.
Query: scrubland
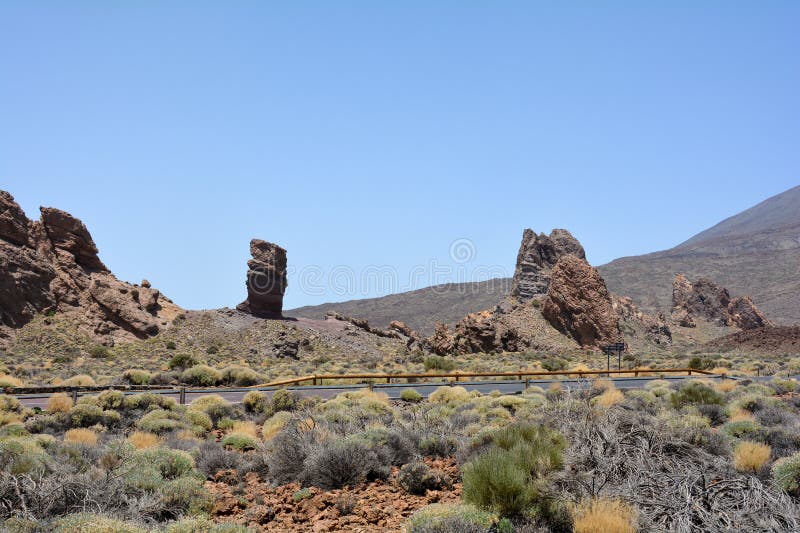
[[700, 456]]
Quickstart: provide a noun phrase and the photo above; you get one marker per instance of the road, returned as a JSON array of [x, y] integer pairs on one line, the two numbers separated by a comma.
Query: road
[[393, 390]]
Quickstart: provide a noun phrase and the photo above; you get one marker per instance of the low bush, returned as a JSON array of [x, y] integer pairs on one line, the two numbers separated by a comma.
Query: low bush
[[275, 424], [410, 396], [85, 415], [604, 516], [240, 375], [695, 394], [181, 361], [82, 436], [10, 381], [100, 352], [609, 398], [143, 402], [142, 439], [417, 478], [255, 402], [437, 362], [136, 377], [170, 464], [212, 457], [240, 441], [92, 523], [216, 407], [110, 399], [740, 429], [302, 494], [283, 400], [447, 518], [201, 375], [81, 380], [345, 462], [786, 473], [59, 402], [449, 395], [751, 456]]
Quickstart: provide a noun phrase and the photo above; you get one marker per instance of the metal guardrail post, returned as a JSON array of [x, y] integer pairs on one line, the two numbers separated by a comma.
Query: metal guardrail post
[[370, 385], [75, 395], [527, 383], [182, 400]]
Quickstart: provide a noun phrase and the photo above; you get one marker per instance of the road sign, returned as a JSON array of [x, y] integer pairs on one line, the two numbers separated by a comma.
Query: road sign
[[611, 349]]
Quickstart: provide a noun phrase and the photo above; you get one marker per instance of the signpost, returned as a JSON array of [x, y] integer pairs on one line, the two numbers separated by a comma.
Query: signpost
[[611, 349]]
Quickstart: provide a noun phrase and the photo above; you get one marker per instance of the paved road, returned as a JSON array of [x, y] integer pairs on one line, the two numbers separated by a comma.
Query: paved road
[[393, 390]]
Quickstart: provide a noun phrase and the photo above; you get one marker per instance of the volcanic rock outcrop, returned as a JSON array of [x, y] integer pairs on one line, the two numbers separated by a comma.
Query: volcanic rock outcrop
[[654, 328], [704, 299], [537, 256], [475, 333], [578, 303], [266, 280], [52, 266]]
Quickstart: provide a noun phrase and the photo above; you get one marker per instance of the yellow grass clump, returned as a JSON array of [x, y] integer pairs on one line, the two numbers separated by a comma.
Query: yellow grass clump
[[609, 398], [81, 436], [81, 380], [555, 387], [246, 428], [726, 385], [602, 385], [143, 439], [740, 414], [59, 402], [447, 394], [274, 424], [751, 456], [10, 381], [580, 367], [604, 516]]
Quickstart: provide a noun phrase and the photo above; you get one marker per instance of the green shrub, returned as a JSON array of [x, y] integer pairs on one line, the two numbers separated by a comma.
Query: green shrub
[[170, 464], [212, 350], [240, 441], [255, 402], [100, 352], [786, 473], [136, 377], [302, 494], [170, 345], [9, 404], [554, 364], [509, 477], [147, 400], [283, 400], [345, 462], [204, 525], [215, 406], [444, 518], [436, 362], [92, 523], [240, 375], [85, 415], [740, 429], [411, 396], [701, 363], [182, 361], [110, 399], [201, 375], [417, 478], [695, 393], [185, 494], [160, 421]]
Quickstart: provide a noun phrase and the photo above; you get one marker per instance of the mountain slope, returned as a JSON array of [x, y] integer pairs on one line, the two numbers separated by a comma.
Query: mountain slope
[[420, 309], [756, 252]]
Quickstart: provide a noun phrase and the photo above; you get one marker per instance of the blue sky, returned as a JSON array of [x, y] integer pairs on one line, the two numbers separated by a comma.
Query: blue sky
[[369, 136]]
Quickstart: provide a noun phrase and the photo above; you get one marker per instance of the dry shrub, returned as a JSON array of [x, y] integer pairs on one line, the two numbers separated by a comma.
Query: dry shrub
[[83, 436], [751, 456], [726, 385], [555, 387], [59, 402], [580, 367], [275, 423], [9, 381], [143, 439], [447, 394], [740, 414], [609, 398], [81, 380], [604, 516], [246, 428]]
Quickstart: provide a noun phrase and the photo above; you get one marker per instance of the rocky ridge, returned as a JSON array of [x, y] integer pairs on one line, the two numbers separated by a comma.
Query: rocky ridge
[[52, 266], [537, 256], [704, 299]]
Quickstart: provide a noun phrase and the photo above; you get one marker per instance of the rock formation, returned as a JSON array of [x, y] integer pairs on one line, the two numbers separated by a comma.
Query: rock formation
[[578, 303], [396, 330], [52, 266], [654, 328], [266, 280], [704, 299], [537, 256], [480, 332]]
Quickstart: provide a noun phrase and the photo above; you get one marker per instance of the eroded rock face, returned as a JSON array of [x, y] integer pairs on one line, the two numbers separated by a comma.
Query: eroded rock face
[[480, 332], [578, 303], [655, 328], [266, 280], [704, 299], [537, 256], [52, 265]]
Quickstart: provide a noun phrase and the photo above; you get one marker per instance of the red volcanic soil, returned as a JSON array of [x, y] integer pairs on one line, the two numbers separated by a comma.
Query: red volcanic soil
[[774, 340], [375, 506]]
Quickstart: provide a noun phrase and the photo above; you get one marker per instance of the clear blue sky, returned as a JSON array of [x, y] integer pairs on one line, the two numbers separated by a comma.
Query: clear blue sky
[[377, 133]]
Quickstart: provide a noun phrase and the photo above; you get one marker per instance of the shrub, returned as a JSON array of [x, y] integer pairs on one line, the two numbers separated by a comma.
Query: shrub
[[9, 381], [211, 350], [437, 362], [345, 462], [700, 363], [81, 380], [182, 361], [9, 404], [246, 427], [604, 516], [110, 399], [275, 424], [417, 478], [283, 400], [783, 386], [438, 446], [302, 494], [449, 395], [59, 402], [87, 437], [85, 415], [136, 377], [255, 402], [410, 396], [159, 422], [444, 518], [507, 478], [240, 375], [714, 413], [170, 464], [786, 473], [240, 441], [751, 456], [213, 405], [100, 352], [740, 429], [92, 523], [142, 439], [610, 398], [554, 364], [183, 494], [145, 401], [202, 375], [695, 394], [204, 525], [212, 457]]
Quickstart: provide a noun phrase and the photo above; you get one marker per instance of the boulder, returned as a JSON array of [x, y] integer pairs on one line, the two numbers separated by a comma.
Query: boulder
[[266, 280], [744, 314], [578, 303], [537, 256], [705, 300]]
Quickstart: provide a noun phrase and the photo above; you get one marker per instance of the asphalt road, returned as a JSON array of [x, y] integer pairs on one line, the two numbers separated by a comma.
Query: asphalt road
[[393, 390]]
